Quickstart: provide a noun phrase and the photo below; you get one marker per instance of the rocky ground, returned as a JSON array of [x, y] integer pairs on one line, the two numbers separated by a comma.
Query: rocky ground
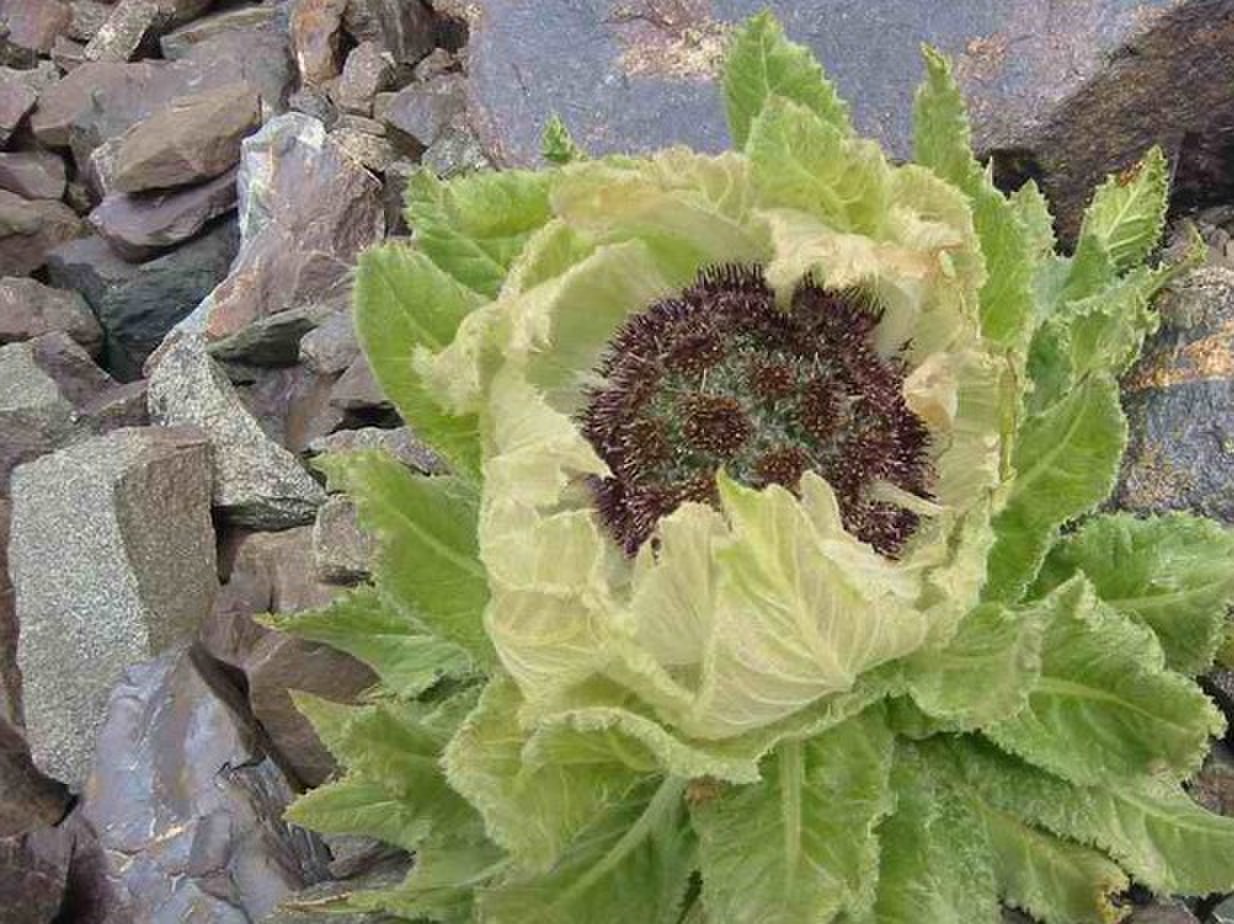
[[184, 189]]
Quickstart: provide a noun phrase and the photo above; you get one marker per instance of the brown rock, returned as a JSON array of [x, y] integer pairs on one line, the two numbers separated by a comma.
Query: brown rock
[[316, 38], [370, 149], [367, 72], [127, 25], [141, 225], [421, 112], [197, 138], [331, 347], [404, 28], [28, 800], [358, 391], [62, 103], [19, 90], [34, 872], [187, 803], [29, 309], [292, 404], [180, 42], [32, 174], [29, 229], [342, 550], [67, 54], [34, 24]]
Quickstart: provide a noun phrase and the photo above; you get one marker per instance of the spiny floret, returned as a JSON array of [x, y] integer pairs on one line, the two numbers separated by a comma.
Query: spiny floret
[[719, 377]]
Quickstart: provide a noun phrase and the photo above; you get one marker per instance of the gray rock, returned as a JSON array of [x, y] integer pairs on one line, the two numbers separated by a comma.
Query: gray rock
[[30, 309], [19, 90], [1213, 785], [307, 209], [401, 443], [292, 403], [423, 111], [1163, 911], [67, 54], [34, 871], [34, 24], [369, 149], [188, 805], [112, 560], [406, 29], [343, 552], [367, 71], [196, 138], [316, 39], [88, 17], [331, 347], [32, 174], [140, 226], [118, 38], [137, 304], [270, 341], [357, 390], [456, 151], [256, 482], [1223, 913], [1180, 455], [179, 42], [30, 229], [393, 193], [1069, 92]]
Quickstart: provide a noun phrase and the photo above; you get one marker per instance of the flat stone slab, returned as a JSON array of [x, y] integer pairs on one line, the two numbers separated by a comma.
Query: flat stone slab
[[112, 560], [1068, 90]]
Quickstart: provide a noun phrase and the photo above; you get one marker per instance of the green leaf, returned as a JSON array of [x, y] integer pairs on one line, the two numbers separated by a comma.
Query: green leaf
[[404, 302], [1105, 709], [987, 670], [359, 807], [1127, 213], [799, 160], [406, 658], [808, 849], [556, 146], [441, 886], [475, 226], [935, 864], [1032, 211], [1171, 573], [632, 863], [761, 64], [1066, 460], [1151, 828], [943, 142], [428, 565], [532, 811]]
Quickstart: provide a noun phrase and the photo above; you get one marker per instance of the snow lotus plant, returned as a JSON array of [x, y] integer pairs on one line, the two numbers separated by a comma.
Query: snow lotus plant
[[765, 588]]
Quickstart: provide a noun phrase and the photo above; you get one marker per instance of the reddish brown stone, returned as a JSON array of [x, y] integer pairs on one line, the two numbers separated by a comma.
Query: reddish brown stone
[[316, 38], [19, 90], [30, 229], [32, 174], [141, 225], [367, 72], [34, 24], [29, 309]]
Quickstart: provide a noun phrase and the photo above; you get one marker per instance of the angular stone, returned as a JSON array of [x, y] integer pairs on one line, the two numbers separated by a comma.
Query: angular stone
[[28, 799], [178, 43], [369, 150], [137, 304], [188, 805], [119, 37], [342, 550], [332, 347], [34, 24], [19, 90], [174, 13], [1213, 785], [256, 482], [196, 138], [34, 872], [422, 111], [112, 560], [437, 62], [67, 54], [141, 225], [30, 229], [291, 403], [1163, 911], [401, 443], [1068, 92], [316, 38], [30, 309], [367, 71], [88, 18], [404, 28], [307, 210], [1177, 403], [455, 152], [358, 392], [393, 193], [32, 174]]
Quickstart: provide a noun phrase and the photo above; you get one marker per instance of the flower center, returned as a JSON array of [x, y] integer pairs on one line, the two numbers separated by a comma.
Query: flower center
[[719, 377]]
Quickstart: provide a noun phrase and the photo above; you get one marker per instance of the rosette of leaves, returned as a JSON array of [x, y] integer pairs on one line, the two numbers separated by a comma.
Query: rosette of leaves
[[766, 586]]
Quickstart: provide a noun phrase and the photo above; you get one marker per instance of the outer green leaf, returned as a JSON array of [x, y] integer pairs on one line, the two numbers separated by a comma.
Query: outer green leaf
[[406, 658], [404, 302], [1172, 573], [1105, 709], [1067, 460], [531, 811], [557, 147], [475, 226], [985, 674], [1032, 211], [428, 564], [761, 64], [935, 864], [807, 831], [441, 886], [356, 806], [943, 142], [633, 863], [1152, 828], [1127, 213], [801, 161]]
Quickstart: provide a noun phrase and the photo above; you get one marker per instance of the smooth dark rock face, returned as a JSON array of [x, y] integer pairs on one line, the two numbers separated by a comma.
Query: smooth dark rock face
[[137, 304], [1178, 399], [188, 805], [1070, 91]]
